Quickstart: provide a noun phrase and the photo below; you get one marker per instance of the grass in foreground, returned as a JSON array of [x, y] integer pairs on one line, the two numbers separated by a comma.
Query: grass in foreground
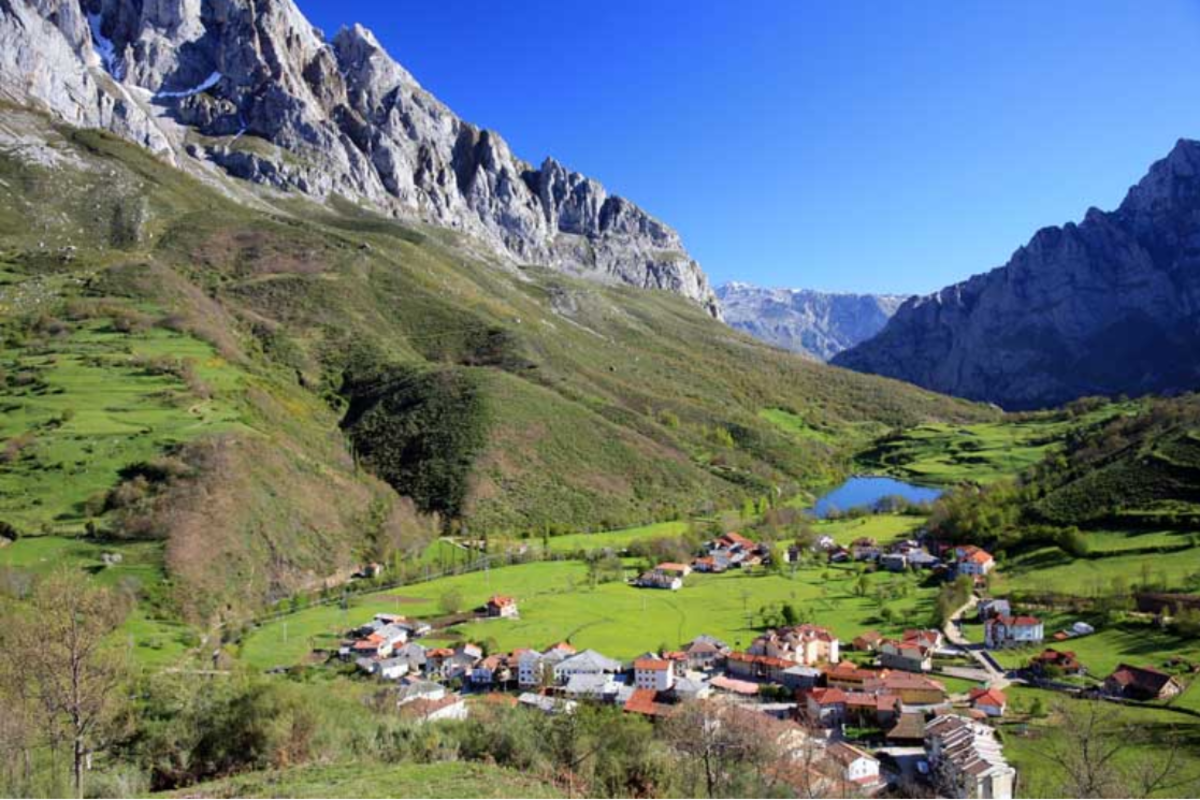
[[367, 780]]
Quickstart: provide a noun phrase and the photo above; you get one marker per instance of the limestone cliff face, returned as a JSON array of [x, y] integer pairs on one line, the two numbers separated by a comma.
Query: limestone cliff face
[[252, 87], [1107, 306], [819, 324]]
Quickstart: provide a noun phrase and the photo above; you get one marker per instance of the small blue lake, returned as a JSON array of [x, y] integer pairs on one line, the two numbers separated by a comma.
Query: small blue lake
[[869, 490]]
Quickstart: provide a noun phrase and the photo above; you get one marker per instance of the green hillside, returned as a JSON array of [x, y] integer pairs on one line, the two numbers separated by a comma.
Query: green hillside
[[236, 376]]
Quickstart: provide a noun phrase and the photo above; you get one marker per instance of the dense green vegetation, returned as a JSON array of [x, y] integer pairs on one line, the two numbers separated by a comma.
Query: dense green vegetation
[[421, 432], [177, 365]]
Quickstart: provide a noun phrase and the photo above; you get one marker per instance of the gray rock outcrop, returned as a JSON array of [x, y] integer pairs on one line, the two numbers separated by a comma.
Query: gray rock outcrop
[[818, 324], [1107, 306], [252, 87]]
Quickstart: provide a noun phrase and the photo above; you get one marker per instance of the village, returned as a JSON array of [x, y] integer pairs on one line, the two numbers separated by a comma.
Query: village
[[862, 715]]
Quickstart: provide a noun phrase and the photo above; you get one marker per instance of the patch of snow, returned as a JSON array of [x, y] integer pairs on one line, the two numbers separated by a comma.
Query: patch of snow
[[203, 86], [104, 46]]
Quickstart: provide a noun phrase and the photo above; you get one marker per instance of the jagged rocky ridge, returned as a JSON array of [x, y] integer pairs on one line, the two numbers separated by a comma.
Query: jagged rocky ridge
[[819, 324], [252, 87], [1107, 306]]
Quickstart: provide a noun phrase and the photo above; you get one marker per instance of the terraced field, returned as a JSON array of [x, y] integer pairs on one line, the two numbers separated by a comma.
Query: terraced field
[[980, 452], [92, 400]]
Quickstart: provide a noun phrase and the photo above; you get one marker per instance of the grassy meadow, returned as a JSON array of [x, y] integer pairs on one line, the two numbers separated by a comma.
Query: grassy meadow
[[557, 603]]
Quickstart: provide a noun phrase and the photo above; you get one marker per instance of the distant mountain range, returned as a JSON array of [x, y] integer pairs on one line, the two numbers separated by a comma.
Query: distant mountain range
[[819, 324], [1107, 306]]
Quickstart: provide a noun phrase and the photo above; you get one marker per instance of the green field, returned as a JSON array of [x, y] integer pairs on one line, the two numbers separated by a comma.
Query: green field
[[621, 621], [447, 779], [880, 527], [1031, 747], [1049, 569], [618, 539], [1137, 642], [981, 452]]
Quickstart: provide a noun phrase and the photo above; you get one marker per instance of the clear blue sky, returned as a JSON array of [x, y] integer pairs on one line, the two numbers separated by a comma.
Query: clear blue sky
[[842, 146]]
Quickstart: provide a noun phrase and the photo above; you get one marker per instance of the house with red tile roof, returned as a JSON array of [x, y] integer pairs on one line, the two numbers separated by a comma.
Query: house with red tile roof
[[1141, 683], [971, 560], [830, 708], [647, 703], [1051, 663], [421, 711], [712, 564], [755, 667], [734, 686], [867, 642], [991, 702], [500, 605], [911, 688], [801, 644], [847, 675]]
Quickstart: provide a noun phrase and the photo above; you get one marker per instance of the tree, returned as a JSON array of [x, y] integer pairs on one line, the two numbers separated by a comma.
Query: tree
[[789, 614], [1093, 753], [727, 751], [57, 647]]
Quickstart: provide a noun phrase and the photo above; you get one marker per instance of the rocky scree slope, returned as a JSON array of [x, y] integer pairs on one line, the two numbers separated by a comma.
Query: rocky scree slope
[[1107, 306], [819, 324], [251, 88]]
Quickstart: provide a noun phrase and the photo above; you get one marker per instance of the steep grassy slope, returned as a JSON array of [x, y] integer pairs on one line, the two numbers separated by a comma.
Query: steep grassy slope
[[1139, 469], [222, 360]]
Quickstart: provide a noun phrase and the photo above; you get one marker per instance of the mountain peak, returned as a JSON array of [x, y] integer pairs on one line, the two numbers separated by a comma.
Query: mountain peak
[[253, 88], [1103, 307]]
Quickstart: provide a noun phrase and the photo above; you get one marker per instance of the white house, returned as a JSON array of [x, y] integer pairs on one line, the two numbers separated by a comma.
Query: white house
[[532, 665], [1003, 631], [419, 690], [657, 674], [589, 662], [857, 766], [973, 561], [529, 668], [392, 669], [422, 711]]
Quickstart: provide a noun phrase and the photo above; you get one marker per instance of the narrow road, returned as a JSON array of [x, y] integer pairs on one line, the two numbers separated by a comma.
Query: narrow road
[[954, 635]]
